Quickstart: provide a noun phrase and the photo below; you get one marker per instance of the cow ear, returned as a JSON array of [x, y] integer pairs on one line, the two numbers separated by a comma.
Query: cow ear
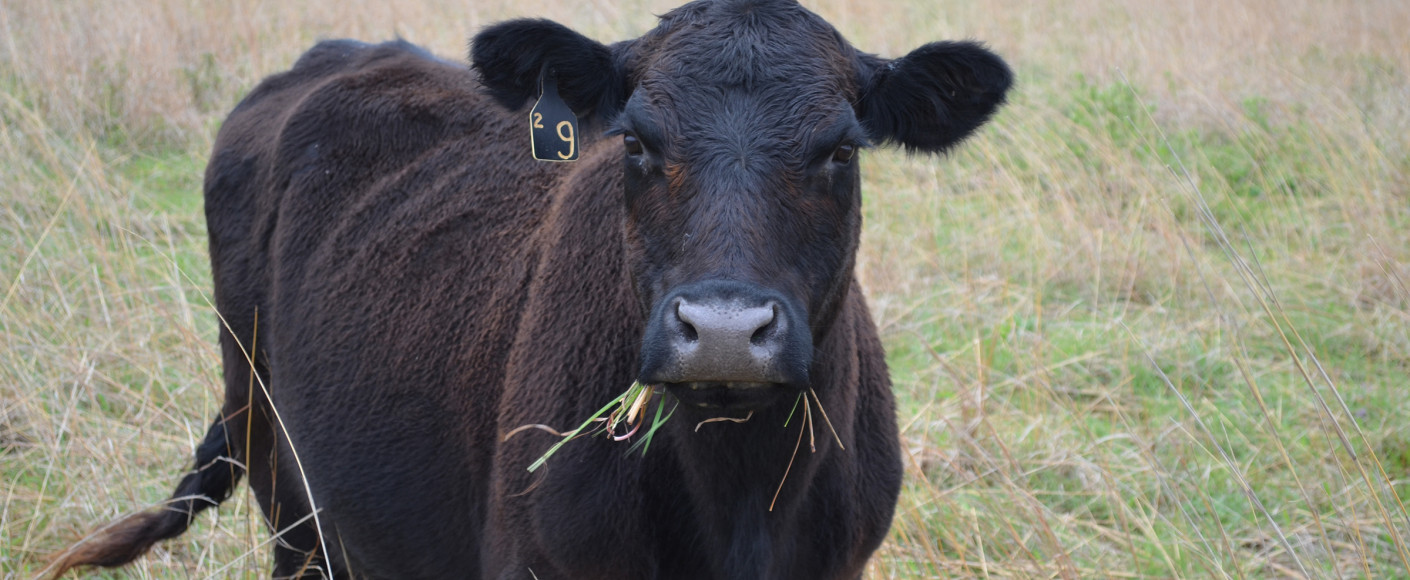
[[510, 55], [933, 97]]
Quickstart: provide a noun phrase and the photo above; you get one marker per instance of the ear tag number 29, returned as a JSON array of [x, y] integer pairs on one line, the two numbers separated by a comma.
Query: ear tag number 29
[[553, 128]]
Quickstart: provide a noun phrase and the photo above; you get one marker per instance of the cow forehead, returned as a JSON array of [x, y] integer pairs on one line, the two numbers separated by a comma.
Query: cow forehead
[[752, 77], [751, 44]]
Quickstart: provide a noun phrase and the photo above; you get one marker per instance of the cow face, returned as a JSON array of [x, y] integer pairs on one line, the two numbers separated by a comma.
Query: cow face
[[741, 125]]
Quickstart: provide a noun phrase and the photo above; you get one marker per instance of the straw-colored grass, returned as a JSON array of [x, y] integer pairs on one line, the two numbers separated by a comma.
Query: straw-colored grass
[[1154, 321]]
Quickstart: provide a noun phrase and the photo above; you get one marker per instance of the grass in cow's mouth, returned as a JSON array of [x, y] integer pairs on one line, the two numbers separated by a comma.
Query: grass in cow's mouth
[[626, 410], [807, 427]]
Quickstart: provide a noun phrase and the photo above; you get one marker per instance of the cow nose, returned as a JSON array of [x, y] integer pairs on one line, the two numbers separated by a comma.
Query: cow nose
[[723, 327], [726, 341]]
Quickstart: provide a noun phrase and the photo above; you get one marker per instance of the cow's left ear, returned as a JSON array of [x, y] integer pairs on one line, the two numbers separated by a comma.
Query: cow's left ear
[[510, 55], [933, 97]]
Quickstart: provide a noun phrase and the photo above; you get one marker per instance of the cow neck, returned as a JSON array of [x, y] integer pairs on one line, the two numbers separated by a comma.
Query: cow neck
[[734, 470]]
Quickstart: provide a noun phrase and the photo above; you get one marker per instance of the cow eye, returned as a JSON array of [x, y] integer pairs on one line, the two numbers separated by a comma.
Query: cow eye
[[632, 144], [844, 153]]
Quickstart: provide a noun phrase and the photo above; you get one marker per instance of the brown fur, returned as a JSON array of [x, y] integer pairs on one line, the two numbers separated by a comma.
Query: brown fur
[[421, 288]]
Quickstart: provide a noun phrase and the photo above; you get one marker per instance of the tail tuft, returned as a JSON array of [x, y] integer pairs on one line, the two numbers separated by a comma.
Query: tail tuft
[[125, 540], [121, 542]]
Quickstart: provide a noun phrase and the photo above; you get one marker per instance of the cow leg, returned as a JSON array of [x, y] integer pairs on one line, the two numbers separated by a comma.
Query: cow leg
[[218, 468], [298, 553], [253, 431], [282, 497], [274, 476]]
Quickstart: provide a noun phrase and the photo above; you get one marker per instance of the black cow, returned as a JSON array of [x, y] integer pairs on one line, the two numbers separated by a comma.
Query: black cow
[[409, 287]]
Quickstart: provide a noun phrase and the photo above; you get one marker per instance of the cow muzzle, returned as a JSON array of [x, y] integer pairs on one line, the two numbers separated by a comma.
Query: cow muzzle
[[726, 344]]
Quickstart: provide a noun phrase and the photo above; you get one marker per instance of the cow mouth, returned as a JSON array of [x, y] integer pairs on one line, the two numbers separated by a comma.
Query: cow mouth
[[727, 395]]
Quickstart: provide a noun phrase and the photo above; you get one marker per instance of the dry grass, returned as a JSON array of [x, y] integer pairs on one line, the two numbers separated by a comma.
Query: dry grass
[[1153, 322]]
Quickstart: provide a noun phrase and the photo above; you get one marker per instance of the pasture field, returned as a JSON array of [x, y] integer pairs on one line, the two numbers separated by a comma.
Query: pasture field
[[1152, 322]]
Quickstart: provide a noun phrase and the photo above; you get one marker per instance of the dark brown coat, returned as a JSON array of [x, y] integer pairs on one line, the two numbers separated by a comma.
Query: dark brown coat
[[420, 288]]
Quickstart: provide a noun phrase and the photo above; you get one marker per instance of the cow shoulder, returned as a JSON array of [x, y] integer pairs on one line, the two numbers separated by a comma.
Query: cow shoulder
[[386, 105]]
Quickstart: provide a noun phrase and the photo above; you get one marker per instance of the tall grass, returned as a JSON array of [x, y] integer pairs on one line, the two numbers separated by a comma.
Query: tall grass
[[1154, 321]]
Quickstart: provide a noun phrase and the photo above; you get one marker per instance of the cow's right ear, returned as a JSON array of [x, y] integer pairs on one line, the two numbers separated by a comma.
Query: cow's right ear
[[510, 56]]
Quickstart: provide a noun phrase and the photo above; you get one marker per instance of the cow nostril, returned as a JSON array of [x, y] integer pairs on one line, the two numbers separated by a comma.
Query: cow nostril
[[762, 334], [766, 330], [687, 326]]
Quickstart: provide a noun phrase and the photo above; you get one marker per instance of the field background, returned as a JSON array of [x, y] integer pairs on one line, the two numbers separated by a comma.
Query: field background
[[1152, 322]]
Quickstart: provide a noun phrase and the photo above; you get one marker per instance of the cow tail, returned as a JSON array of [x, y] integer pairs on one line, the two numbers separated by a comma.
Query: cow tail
[[216, 473]]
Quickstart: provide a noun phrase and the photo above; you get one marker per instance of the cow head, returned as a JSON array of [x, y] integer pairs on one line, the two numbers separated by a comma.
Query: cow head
[[741, 124]]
